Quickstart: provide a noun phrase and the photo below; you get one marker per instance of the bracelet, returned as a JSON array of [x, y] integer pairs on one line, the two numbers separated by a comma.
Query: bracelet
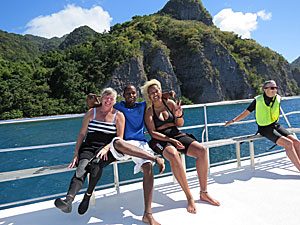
[[180, 115]]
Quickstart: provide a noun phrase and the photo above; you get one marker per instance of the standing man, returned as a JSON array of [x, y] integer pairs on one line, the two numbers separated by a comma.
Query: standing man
[[134, 134]]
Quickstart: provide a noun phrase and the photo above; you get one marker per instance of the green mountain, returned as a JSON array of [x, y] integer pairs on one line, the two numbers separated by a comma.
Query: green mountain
[[178, 45], [295, 65], [14, 47], [78, 36]]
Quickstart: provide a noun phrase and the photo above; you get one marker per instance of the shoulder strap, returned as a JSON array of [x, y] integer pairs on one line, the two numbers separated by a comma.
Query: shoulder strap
[[168, 107], [154, 114], [94, 113], [115, 115]]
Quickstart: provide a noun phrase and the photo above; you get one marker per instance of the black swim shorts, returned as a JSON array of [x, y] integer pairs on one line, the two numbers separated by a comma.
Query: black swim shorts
[[273, 132], [186, 139]]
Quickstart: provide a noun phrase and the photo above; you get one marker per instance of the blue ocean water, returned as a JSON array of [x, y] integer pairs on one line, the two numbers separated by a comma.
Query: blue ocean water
[[66, 130]]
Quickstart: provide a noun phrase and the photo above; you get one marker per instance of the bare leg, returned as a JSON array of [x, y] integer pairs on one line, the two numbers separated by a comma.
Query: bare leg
[[148, 192], [296, 144], [200, 153], [132, 150], [172, 155], [288, 144]]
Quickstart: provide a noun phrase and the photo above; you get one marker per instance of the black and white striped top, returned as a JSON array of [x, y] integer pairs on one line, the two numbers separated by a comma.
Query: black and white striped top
[[101, 126]]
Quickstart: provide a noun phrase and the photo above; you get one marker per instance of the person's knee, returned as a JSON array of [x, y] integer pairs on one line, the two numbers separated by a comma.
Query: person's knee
[[119, 144], [147, 168], [296, 143], [95, 170], [202, 150], [171, 154], [288, 144], [198, 150], [201, 153], [80, 171]]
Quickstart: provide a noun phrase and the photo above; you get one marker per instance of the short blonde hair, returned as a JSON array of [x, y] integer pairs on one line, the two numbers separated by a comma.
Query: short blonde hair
[[145, 88], [109, 91]]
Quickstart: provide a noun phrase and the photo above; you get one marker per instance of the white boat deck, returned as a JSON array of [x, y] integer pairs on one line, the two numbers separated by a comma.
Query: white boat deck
[[268, 195]]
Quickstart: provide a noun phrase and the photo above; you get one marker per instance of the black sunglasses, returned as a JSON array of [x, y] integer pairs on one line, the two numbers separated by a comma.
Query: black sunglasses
[[272, 88]]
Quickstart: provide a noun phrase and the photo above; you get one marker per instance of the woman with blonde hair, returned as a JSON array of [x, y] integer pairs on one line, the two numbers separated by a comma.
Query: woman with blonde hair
[[98, 144], [162, 119]]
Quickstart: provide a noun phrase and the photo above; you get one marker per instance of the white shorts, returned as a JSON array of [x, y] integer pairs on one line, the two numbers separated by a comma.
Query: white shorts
[[138, 161], [118, 155]]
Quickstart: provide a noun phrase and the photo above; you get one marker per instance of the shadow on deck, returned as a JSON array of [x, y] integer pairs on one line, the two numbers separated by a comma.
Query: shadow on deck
[[268, 195]]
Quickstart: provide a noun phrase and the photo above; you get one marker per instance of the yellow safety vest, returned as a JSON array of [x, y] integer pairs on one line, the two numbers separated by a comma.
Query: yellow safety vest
[[266, 115]]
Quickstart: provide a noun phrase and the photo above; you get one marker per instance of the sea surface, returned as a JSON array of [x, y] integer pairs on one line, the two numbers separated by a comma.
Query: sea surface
[[66, 130]]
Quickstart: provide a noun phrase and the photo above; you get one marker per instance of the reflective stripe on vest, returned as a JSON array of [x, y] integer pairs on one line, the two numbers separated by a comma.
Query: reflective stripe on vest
[[266, 115]]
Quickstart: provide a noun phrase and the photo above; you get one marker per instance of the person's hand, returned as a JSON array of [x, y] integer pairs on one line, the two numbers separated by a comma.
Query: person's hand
[[178, 109], [172, 94], [227, 123], [103, 153], [92, 100], [169, 94], [161, 164], [177, 144], [73, 163]]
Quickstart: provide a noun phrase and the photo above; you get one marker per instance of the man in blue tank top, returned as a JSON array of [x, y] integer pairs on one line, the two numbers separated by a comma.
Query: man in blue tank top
[[134, 134]]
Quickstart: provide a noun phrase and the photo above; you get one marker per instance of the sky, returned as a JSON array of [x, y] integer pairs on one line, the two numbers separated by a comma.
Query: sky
[[272, 23]]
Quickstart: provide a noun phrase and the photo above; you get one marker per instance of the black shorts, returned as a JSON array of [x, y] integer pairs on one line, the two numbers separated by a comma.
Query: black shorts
[[87, 151], [186, 139], [273, 132]]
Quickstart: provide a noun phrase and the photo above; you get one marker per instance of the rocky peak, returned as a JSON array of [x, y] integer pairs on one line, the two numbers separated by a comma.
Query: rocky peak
[[296, 63], [187, 10], [78, 36]]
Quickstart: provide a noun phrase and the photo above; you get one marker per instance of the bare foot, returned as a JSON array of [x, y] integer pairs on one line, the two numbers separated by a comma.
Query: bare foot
[[161, 164], [148, 218], [204, 196], [191, 207]]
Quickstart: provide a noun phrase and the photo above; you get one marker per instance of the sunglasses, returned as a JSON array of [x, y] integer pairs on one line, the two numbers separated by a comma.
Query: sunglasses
[[272, 88]]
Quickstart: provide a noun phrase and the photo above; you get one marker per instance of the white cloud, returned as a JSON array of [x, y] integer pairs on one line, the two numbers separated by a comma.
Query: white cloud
[[263, 15], [240, 23], [66, 20]]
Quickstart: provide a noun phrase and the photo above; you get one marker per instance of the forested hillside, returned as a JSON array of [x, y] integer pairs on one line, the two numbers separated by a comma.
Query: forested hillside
[[179, 45]]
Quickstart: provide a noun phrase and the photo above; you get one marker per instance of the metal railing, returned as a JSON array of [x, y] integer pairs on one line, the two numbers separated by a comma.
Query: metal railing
[[46, 170]]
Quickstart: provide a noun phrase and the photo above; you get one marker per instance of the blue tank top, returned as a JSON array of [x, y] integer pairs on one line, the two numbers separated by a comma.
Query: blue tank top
[[134, 120]]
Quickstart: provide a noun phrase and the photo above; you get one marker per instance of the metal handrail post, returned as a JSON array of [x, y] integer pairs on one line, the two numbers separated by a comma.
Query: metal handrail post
[[116, 177], [252, 154], [238, 153], [286, 120], [285, 117], [206, 132], [205, 123]]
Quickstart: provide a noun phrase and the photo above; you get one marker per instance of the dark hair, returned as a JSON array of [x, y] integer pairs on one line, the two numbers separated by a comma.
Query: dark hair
[[127, 87]]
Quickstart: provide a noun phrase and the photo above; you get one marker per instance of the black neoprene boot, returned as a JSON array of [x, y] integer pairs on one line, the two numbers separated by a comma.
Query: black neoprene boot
[[84, 205], [64, 205]]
